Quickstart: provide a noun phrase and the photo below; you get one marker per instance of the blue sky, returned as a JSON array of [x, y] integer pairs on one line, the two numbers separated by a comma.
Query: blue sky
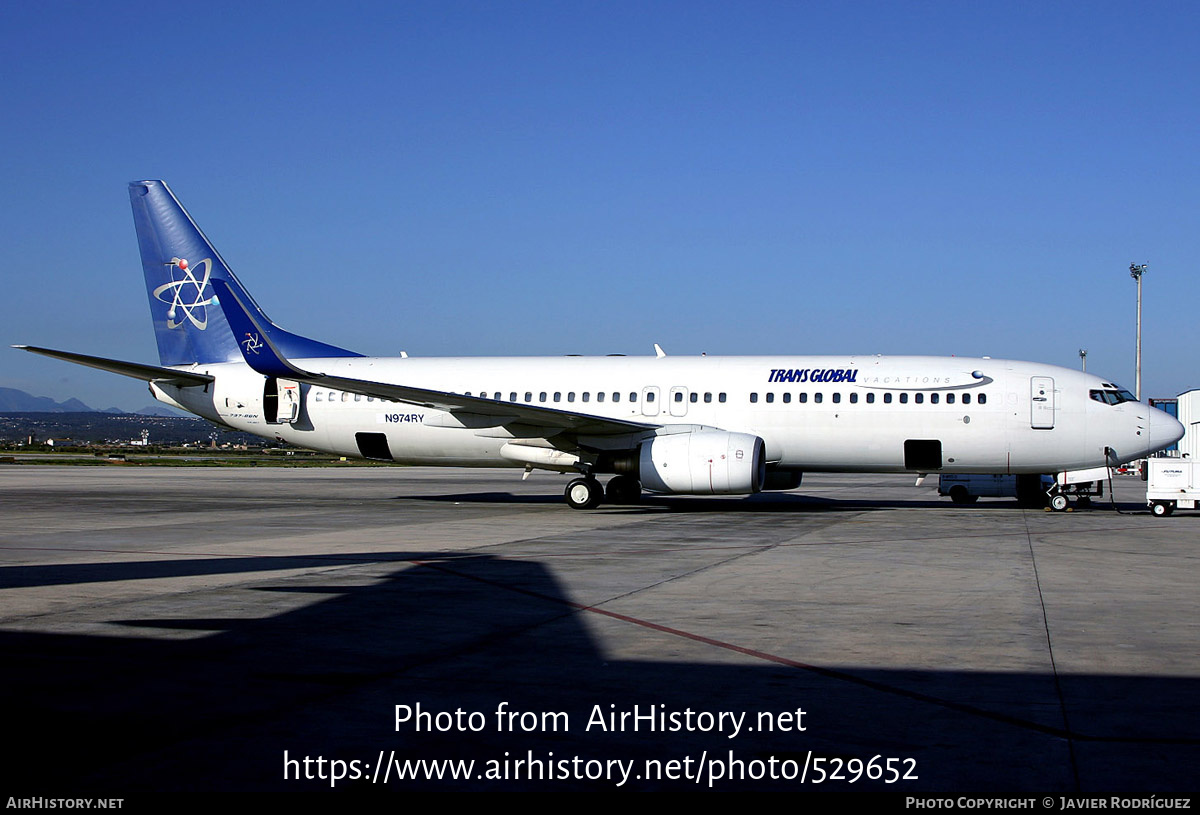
[[569, 177]]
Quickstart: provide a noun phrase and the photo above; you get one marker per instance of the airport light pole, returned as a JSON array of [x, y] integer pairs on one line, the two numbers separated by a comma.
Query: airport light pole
[[1136, 272], [1083, 358]]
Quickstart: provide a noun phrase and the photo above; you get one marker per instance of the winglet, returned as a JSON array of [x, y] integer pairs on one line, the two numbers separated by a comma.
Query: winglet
[[658, 351], [257, 348]]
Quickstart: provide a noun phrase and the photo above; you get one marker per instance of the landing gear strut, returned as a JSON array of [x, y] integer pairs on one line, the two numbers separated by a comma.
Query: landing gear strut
[[584, 493]]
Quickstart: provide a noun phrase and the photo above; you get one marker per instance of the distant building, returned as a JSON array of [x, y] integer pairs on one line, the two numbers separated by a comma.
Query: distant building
[[64, 443], [1189, 415], [1171, 408]]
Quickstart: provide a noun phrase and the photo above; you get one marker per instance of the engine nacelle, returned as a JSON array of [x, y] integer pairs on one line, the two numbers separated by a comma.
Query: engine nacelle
[[705, 462]]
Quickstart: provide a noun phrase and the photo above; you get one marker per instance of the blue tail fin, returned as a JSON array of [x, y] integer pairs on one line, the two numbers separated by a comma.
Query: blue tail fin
[[180, 265]]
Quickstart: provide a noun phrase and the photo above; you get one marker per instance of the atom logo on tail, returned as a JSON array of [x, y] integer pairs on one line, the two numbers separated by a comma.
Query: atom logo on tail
[[186, 295]]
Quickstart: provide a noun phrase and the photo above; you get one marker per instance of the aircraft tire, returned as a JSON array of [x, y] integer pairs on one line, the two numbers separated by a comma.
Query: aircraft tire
[[623, 489], [583, 493], [1059, 502]]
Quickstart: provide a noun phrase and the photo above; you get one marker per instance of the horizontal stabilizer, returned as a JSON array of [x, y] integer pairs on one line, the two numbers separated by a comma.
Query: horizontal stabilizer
[[148, 373]]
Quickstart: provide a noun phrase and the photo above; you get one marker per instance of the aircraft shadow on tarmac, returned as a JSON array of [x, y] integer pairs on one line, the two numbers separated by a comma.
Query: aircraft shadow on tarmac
[[116, 715]]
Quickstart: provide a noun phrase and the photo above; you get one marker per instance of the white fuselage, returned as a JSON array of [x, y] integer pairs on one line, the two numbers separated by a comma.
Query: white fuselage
[[834, 414]]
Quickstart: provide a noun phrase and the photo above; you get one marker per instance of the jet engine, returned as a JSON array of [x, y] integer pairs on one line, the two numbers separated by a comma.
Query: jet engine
[[704, 462]]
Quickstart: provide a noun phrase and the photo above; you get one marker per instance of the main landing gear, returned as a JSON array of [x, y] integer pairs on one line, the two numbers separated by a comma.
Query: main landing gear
[[624, 489], [586, 492]]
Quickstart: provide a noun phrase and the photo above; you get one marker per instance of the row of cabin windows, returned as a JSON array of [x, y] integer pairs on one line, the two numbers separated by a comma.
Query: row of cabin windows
[[903, 398], [332, 396], [694, 397], [586, 396]]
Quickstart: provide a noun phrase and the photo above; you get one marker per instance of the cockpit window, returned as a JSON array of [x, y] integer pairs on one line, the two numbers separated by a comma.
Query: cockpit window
[[1112, 397]]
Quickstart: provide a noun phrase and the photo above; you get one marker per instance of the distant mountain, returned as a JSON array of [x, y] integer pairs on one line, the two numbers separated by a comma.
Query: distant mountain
[[15, 401], [158, 410]]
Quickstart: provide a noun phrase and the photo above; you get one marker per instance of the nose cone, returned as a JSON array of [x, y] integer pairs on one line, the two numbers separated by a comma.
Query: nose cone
[[1164, 430]]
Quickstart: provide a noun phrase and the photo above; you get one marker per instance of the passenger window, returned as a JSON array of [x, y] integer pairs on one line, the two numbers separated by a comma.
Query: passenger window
[[542, 396], [887, 398], [678, 396], [512, 397], [753, 398], [982, 399], [770, 397], [933, 398], [707, 398], [918, 398], [803, 398], [528, 396], [817, 397], [616, 396], [570, 396], [694, 398], [721, 398], [904, 398], [649, 396], [496, 396], [949, 399], [317, 397], [837, 398], [633, 396], [586, 396], [558, 396], [966, 398], [854, 398], [600, 396], [345, 396], [787, 398], [870, 398], [358, 397]]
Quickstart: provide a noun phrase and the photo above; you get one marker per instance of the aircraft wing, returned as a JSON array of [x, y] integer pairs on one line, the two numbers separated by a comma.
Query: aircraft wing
[[148, 373], [263, 356]]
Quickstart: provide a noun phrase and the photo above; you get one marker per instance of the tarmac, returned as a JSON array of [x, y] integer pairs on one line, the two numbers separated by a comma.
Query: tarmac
[[211, 629]]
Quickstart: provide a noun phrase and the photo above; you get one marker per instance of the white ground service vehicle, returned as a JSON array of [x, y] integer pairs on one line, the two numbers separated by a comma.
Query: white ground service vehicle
[[1082, 485], [1171, 483]]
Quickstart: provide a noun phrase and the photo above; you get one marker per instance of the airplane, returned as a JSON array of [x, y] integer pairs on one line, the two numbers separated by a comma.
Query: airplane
[[706, 425]]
